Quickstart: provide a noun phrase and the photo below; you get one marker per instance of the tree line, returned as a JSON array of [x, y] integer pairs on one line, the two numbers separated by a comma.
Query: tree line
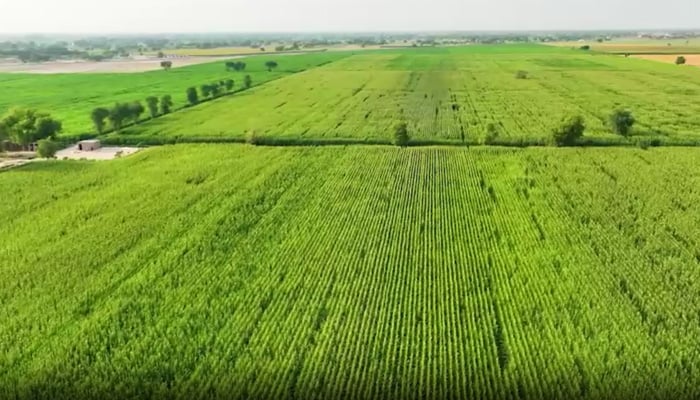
[[213, 90], [122, 113]]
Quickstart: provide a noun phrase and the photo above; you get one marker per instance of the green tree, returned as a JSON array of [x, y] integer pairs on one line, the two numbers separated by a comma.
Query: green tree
[[215, 89], [152, 104], [622, 122], [247, 82], [118, 114], [47, 148], [271, 65], [401, 134], [205, 90], [166, 103], [569, 131], [135, 111], [98, 116], [192, 96], [24, 126], [166, 65], [680, 60], [228, 84]]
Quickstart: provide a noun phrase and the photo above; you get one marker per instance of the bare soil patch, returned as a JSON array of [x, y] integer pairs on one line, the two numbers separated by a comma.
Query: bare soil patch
[[103, 153], [691, 59], [116, 66]]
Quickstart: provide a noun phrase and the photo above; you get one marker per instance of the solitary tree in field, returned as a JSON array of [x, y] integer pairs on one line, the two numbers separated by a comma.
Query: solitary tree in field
[[166, 102], [247, 82], [228, 84], [166, 65], [570, 130], [192, 97], [98, 117], [152, 104], [24, 126], [271, 65], [401, 134], [622, 122], [680, 60], [521, 74]]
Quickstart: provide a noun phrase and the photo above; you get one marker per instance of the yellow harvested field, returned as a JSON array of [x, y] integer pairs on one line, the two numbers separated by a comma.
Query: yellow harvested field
[[692, 59], [219, 51], [670, 46]]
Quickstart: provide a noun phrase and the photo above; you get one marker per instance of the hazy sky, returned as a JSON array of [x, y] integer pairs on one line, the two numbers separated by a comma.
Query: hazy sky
[[18, 16]]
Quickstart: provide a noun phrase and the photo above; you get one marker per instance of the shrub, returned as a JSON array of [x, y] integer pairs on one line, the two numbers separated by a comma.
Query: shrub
[[680, 60], [622, 122], [252, 138], [585, 47], [521, 75], [401, 134], [491, 133], [569, 131], [47, 148]]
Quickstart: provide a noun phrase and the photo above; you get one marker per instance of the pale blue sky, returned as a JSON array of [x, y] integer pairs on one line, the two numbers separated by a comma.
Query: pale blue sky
[[18, 16]]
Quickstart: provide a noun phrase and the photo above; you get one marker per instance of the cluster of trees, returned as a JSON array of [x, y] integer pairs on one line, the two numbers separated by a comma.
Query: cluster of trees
[[123, 113], [572, 129], [235, 66], [215, 89], [24, 126]]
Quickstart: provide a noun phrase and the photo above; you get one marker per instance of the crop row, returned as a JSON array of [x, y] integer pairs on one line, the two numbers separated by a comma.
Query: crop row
[[238, 271]]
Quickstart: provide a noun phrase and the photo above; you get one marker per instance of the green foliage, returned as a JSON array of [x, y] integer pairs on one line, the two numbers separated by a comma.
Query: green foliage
[[362, 97], [152, 104], [570, 130], [680, 60], [585, 47], [166, 65], [166, 104], [192, 96], [228, 84], [622, 121], [401, 137], [492, 133], [235, 65], [47, 148], [71, 97], [292, 272], [98, 117], [247, 82], [24, 126], [521, 74], [270, 65]]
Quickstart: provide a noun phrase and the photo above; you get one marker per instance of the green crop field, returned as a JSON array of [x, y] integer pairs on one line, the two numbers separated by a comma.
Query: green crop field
[[234, 271], [71, 97], [452, 94]]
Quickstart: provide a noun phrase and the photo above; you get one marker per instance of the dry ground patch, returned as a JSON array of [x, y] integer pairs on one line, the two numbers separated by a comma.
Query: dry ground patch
[[119, 66], [692, 59]]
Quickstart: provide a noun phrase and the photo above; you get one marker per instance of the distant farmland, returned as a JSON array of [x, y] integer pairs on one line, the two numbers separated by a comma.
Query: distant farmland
[[71, 97], [452, 94], [353, 272]]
